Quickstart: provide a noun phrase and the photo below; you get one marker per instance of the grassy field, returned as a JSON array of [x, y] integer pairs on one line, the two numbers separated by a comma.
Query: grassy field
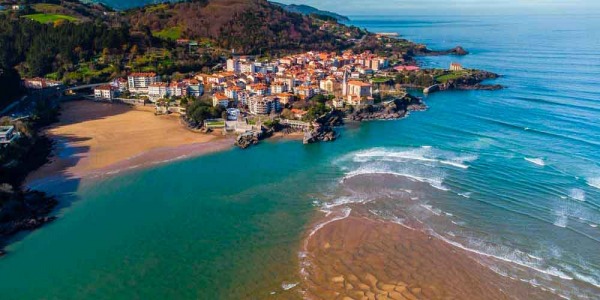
[[380, 79], [171, 33], [50, 18], [451, 76], [215, 123]]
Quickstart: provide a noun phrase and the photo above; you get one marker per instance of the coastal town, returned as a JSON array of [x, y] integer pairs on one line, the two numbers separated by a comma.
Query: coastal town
[[296, 94], [252, 92], [248, 89], [129, 96]]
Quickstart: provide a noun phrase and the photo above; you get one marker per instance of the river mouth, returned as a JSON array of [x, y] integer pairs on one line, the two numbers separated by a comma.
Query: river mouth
[[380, 236]]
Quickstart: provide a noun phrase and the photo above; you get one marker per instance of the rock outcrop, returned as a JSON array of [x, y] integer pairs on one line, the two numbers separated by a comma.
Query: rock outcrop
[[320, 134], [250, 138], [24, 211], [324, 131], [422, 50], [388, 110]]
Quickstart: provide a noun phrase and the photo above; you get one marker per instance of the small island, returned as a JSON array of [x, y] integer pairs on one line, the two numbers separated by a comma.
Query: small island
[[234, 71]]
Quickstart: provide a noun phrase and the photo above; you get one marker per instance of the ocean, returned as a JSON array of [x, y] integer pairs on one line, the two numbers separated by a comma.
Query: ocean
[[511, 175]]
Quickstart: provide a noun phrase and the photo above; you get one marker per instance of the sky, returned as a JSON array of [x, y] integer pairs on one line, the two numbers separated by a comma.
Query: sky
[[383, 7]]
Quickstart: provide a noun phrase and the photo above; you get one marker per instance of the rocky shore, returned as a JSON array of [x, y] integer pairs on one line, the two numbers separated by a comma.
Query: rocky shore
[[324, 131], [250, 138], [27, 210], [395, 109]]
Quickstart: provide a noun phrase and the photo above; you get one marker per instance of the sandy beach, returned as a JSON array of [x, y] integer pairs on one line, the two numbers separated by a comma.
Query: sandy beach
[[362, 258], [96, 137]]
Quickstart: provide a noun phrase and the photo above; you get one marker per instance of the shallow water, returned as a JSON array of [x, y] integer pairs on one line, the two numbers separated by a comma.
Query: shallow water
[[513, 174]]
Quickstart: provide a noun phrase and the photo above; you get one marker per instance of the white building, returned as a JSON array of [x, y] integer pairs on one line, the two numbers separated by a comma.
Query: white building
[[139, 82], [248, 67], [157, 91], [456, 67], [220, 100], [233, 65], [278, 88], [106, 92], [260, 105]]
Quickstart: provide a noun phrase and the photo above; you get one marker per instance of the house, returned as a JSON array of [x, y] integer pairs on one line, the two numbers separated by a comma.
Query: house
[[359, 101], [194, 87], [260, 89], [261, 105], [298, 113], [120, 84], [304, 92], [358, 88], [232, 92], [328, 85], [158, 90], [247, 67], [177, 89], [278, 88], [220, 99], [106, 92], [456, 67], [139, 82], [286, 98], [38, 83], [7, 134], [233, 65]]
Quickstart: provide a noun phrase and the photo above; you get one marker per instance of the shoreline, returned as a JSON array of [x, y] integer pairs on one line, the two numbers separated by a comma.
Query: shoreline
[[348, 254], [85, 145]]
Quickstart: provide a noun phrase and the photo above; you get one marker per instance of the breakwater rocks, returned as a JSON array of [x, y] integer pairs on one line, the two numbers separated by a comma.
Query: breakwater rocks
[[394, 109], [250, 138], [321, 134], [24, 211], [324, 131]]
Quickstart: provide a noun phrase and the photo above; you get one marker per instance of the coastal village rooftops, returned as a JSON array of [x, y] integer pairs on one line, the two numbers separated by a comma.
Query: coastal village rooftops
[[407, 68], [358, 83], [106, 87], [158, 84], [143, 74], [220, 96]]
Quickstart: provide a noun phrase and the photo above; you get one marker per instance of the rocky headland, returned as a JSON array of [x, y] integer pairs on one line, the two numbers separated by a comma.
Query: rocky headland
[[324, 129]]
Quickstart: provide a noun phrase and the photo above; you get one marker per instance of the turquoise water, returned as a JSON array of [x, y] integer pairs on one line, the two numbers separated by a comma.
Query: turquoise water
[[513, 174]]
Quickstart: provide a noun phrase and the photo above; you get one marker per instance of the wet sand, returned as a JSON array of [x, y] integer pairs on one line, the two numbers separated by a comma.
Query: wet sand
[[360, 258], [94, 138]]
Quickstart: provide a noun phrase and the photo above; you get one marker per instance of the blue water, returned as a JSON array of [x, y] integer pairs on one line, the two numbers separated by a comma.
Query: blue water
[[513, 174]]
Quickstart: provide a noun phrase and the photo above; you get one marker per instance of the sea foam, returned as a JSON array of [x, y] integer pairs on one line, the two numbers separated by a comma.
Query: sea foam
[[577, 194], [536, 161]]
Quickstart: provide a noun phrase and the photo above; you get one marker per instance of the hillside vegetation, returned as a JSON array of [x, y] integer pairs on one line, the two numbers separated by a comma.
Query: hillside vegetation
[[247, 26]]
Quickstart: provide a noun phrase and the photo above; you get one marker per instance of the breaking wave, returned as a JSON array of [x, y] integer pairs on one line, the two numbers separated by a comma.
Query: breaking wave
[[424, 164], [536, 161]]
